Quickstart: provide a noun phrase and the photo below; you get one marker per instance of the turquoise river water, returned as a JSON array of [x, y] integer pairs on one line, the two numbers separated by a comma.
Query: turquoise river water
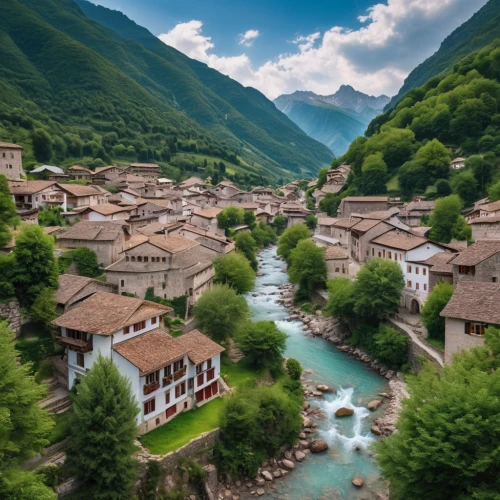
[[325, 475]]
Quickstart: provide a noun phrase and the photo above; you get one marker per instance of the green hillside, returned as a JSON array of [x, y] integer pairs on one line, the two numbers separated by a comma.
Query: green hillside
[[87, 94], [457, 114], [479, 31]]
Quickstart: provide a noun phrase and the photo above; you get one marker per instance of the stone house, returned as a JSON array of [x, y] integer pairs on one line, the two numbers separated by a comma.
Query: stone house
[[341, 230], [484, 211], [106, 212], [106, 239], [225, 189], [337, 262], [205, 218], [78, 195], [409, 251], [167, 375], [171, 265], [77, 173], [361, 235], [485, 228], [208, 239], [11, 161], [362, 204], [106, 175], [440, 268], [412, 213], [472, 308], [37, 194], [457, 163], [148, 170], [73, 289], [193, 183], [479, 262]]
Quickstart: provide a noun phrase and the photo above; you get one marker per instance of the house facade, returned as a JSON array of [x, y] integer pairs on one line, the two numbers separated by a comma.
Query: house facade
[[11, 161], [29, 195], [479, 262], [362, 204], [167, 375]]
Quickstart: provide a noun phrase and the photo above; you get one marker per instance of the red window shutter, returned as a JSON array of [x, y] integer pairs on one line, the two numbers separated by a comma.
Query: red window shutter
[[200, 379], [208, 392], [215, 388], [199, 396]]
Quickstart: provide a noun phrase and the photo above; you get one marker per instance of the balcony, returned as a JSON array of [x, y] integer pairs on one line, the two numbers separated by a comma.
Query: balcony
[[149, 388], [74, 344], [167, 380], [179, 374]]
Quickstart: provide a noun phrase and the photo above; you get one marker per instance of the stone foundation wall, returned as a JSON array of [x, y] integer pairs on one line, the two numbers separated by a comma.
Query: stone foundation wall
[[11, 312], [60, 366]]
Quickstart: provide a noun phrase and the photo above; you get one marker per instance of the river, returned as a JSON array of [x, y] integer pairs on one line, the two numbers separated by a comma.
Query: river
[[326, 475]]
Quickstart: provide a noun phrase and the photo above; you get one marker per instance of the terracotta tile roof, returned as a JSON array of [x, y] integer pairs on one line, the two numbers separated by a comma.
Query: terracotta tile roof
[[173, 243], [145, 165], [130, 191], [199, 347], [327, 221], [208, 213], [346, 223], [78, 168], [335, 252], [93, 231], [79, 189], [474, 301], [491, 207], [109, 208], [365, 225], [157, 227], [190, 182], [105, 313], [378, 215], [420, 205], [331, 188], [420, 230], [477, 253], [441, 262], [206, 233], [29, 187], [486, 220], [400, 240], [366, 199], [69, 285], [250, 205], [100, 170], [10, 145]]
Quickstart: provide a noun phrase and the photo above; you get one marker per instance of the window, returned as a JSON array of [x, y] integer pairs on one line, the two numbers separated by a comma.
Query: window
[[127, 258], [167, 397], [190, 382], [408, 269], [185, 405], [210, 374], [149, 406], [395, 256], [180, 389], [425, 287], [383, 253], [75, 334], [139, 258], [472, 328], [167, 371], [417, 269], [408, 284], [467, 270], [153, 377], [126, 329], [389, 255], [154, 320], [132, 258], [145, 259], [494, 279], [122, 282], [373, 252], [199, 368], [379, 254], [164, 259], [200, 379], [171, 411], [179, 365], [80, 359], [209, 364], [139, 326], [424, 271], [417, 286]]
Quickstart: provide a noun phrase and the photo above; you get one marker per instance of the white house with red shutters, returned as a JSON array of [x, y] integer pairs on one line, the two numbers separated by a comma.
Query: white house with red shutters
[[167, 375]]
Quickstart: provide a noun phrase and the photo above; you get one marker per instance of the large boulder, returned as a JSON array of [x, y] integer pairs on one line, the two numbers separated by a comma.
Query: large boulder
[[358, 481], [299, 456], [376, 430], [318, 445], [344, 412], [267, 475], [288, 464], [324, 388], [308, 422], [373, 405]]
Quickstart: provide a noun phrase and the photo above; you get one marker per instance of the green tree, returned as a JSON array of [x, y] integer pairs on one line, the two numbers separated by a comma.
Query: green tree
[[24, 425], [377, 289], [35, 264], [290, 238], [446, 213], [494, 192], [17, 484], [413, 177], [248, 247], [262, 343], [465, 185], [293, 368], [311, 221], [341, 298], [8, 215], [391, 347], [230, 216], [481, 169], [330, 204], [321, 178], [43, 310], [86, 262], [443, 188], [51, 216], [233, 269], [263, 235], [42, 145], [249, 219], [220, 311], [280, 221], [307, 265], [435, 303], [103, 430], [446, 439], [435, 157], [374, 174]]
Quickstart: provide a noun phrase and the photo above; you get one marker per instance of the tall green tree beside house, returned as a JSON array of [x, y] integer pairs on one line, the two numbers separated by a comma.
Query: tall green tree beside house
[[42, 145], [446, 220], [290, 238], [449, 430], [8, 214], [34, 262], [307, 265], [230, 216], [234, 269], [263, 235], [103, 430], [374, 174], [248, 247], [431, 312]]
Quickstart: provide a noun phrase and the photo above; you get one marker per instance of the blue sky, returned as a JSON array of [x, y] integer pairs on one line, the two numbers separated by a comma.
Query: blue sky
[[279, 46]]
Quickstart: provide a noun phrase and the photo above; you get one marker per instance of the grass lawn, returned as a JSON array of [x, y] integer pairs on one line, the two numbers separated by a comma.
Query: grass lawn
[[436, 343], [393, 183], [183, 428], [61, 430], [238, 374]]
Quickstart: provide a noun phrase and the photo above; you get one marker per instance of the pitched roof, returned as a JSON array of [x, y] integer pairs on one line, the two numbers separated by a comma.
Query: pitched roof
[[93, 231], [172, 243], [50, 168], [474, 301], [145, 165], [69, 285], [477, 253], [79, 189], [365, 225], [10, 145], [441, 262], [100, 170], [109, 208], [335, 252], [491, 207], [131, 192], [327, 221], [366, 199], [199, 347], [400, 240], [486, 220], [207, 213], [105, 313], [422, 205], [29, 187], [205, 232], [346, 223], [190, 182], [378, 215], [79, 168], [331, 188]]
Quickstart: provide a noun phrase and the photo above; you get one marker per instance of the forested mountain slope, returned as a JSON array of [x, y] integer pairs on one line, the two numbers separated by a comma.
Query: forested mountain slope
[[479, 31], [100, 94]]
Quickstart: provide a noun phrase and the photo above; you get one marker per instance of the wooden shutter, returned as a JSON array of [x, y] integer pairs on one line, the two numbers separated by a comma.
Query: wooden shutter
[[467, 328]]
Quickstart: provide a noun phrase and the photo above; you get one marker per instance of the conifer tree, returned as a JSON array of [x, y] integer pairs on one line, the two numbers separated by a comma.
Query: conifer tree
[[103, 431]]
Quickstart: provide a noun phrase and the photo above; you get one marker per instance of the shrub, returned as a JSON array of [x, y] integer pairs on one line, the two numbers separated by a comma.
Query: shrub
[[391, 346], [293, 368], [51, 475]]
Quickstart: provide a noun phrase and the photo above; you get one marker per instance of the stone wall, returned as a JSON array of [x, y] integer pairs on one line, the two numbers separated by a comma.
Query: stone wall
[[11, 312], [60, 366]]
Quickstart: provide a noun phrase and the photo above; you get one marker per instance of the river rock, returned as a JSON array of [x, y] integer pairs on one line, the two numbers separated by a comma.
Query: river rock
[[384, 395], [277, 474], [307, 422], [261, 491], [376, 430], [373, 405], [288, 464], [358, 481], [304, 444], [318, 445], [344, 412], [228, 495], [324, 388], [260, 481], [307, 370], [317, 394], [299, 456], [302, 435], [266, 475], [305, 405]]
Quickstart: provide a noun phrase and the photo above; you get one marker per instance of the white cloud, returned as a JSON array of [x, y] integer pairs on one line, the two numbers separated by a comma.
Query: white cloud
[[248, 37], [375, 58]]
